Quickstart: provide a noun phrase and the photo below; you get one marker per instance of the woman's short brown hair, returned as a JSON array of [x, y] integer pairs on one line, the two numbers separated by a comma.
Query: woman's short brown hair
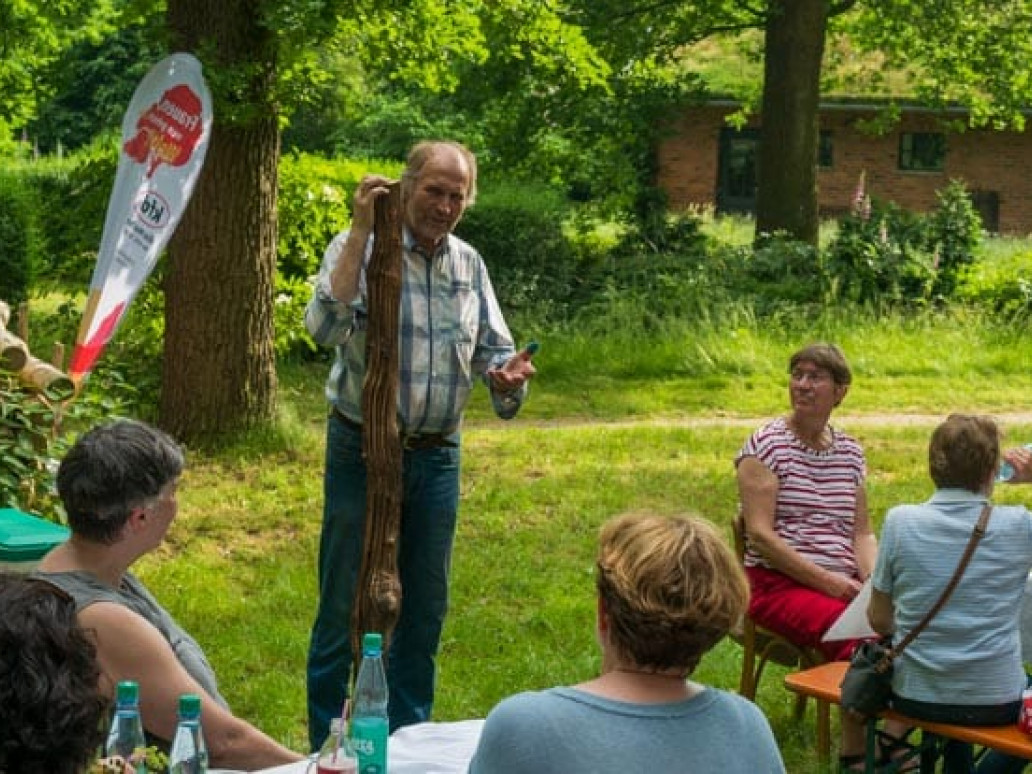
[[826, 356], [671, 587], [964, 452]]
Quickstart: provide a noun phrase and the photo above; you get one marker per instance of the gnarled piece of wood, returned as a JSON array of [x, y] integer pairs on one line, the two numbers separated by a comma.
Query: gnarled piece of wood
[[378, 594]]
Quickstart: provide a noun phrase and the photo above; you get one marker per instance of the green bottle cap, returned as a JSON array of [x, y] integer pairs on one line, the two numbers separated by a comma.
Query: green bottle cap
[[190, 705], [128, 692], [372, 642]]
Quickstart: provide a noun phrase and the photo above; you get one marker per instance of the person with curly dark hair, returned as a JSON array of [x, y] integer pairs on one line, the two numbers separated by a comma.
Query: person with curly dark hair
[[669, 589], [52, 711]]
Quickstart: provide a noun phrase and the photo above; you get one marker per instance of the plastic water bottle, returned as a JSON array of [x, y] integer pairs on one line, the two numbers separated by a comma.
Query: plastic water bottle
[[125, 736], [369, 724], [337, 756], [188, 754], [1006, 472]]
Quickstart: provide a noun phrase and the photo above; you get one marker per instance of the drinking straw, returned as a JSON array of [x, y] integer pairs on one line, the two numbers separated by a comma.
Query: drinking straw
[[344, 712]]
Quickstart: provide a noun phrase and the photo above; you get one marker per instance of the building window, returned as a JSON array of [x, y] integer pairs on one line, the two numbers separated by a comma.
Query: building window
[[922, 151], [824, 149]]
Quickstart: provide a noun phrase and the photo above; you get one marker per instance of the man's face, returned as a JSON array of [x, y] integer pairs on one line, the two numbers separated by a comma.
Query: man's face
[[437, 198]]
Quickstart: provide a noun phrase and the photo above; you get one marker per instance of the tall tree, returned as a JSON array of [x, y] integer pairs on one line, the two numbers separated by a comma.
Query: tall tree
[[219, 372], [971, 52], [787, 178]]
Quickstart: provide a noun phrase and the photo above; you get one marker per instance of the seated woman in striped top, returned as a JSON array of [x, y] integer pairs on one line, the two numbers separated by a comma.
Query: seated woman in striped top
[[809, 542]]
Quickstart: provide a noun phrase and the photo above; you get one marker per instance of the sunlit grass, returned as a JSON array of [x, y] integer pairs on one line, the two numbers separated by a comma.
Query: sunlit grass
[[622, 416]]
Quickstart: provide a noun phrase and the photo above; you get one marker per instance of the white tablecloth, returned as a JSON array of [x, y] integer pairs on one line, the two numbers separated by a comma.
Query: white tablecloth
[[425, 748]]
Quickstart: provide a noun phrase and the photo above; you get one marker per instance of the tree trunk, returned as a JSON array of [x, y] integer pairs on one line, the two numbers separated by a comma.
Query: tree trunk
[[787, 176], [219, 372]]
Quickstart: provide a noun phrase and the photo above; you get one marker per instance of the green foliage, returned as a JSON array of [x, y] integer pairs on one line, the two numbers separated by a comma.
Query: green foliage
[[74, 196], [21, 245], [292, 340], [33, 35], [782, 271], [885, 254], [29, 446], [34, 434], [881, 256], [1000, 285], [93, 81], [519, 230], [958, 51], [314, 206], [955, 228]]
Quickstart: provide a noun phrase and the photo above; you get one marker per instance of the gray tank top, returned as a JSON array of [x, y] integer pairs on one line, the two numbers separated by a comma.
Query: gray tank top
[[86, 590]]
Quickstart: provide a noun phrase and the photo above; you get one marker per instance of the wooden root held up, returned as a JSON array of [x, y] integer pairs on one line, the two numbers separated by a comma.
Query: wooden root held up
[[378, 594], [38, 375]]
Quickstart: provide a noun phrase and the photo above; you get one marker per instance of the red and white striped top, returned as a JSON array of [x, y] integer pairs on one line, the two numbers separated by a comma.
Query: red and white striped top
[[817, 491]]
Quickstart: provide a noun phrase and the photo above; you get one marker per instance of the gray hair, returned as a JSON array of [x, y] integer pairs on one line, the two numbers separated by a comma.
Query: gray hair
[[111, 470]]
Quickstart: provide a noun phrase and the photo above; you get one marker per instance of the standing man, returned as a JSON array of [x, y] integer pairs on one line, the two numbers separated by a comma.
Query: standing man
[[451, 330]]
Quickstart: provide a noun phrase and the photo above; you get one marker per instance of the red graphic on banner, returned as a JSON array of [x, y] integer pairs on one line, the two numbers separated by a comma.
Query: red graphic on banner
[[86, 354], [168, 131]]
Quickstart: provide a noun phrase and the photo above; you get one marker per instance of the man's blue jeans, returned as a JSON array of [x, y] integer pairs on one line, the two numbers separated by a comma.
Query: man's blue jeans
[[430, 502]]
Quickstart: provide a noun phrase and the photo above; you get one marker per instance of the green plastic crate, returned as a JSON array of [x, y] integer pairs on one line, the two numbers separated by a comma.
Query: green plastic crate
[[25, 539]]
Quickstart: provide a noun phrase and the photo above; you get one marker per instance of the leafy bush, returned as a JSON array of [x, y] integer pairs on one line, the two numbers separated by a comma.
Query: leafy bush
[[955, 228], [881, 256], [78, 189], [21, 245], [314, 205], [780, 271], [292, 338], [35, 433], [519, 230], [1000, 286]]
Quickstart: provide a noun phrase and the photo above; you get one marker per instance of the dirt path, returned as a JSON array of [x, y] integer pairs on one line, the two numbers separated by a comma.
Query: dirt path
[[1005, 419]]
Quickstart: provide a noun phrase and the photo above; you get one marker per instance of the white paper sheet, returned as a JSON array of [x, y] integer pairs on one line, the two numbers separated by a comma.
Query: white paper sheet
[[853, 624]]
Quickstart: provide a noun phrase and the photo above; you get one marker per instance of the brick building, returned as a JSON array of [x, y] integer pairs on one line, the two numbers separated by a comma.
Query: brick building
[[703, 161]]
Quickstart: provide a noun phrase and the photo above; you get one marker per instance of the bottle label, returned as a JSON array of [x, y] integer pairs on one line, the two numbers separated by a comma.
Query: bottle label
[[369, 736]]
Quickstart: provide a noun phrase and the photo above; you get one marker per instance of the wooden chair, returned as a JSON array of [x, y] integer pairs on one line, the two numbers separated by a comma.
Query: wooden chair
[[761, 646]]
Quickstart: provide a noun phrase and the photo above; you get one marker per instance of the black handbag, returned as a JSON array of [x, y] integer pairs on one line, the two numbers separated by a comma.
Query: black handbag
[[867, 685]]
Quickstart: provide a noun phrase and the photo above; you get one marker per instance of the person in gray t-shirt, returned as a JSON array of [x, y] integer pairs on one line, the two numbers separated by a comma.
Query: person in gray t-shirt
[[669, 589], [118, 486]]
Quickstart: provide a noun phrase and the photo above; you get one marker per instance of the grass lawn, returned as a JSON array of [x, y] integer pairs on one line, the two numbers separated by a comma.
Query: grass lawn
[[238, 568]]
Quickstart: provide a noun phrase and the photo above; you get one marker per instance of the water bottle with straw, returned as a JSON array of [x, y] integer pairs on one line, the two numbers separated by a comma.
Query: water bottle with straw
[[369, 724], [336, 756]]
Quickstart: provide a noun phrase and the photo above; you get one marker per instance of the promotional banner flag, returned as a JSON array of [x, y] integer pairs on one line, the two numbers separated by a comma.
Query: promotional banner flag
[[164, 138]]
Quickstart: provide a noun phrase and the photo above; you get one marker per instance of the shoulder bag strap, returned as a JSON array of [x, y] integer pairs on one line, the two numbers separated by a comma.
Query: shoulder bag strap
[[976, 536]]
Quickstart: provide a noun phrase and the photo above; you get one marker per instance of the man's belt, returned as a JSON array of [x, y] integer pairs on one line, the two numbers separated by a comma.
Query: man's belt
[[410, 442]]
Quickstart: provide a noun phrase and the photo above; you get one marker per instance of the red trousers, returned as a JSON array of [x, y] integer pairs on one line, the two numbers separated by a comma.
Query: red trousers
[[798, 613]]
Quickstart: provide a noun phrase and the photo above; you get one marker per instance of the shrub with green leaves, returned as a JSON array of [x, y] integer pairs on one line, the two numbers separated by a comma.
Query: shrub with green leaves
[[883, 256], [955, 229], [79, 189], [519, 230], [314, 205], [21, 244], [292, 341], [35, 433], [780, 271], [29, 445]]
